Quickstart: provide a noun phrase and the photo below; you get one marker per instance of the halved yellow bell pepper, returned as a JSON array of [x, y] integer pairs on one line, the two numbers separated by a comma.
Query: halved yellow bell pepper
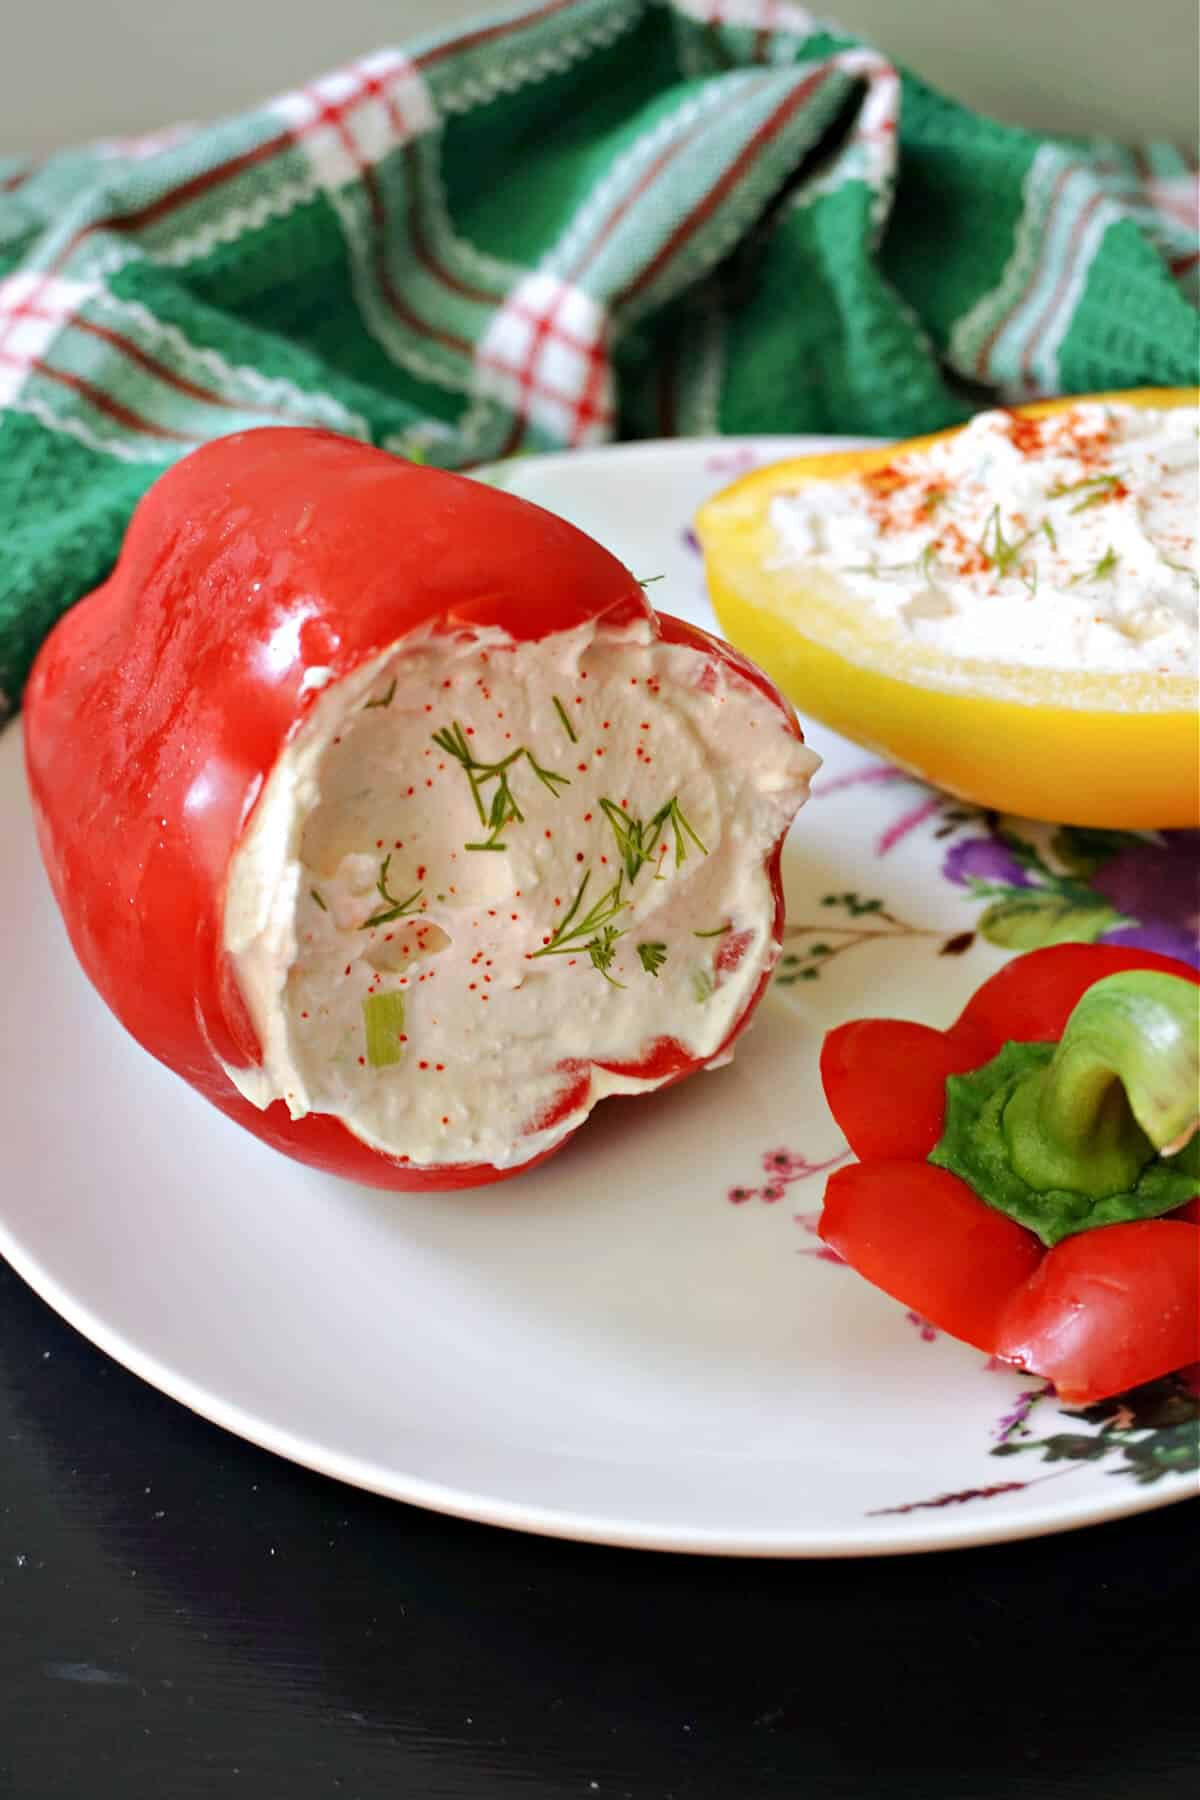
[[1089, 749]]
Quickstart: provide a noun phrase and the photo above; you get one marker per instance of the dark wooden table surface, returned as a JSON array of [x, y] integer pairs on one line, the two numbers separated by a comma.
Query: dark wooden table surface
[[184, 1615]]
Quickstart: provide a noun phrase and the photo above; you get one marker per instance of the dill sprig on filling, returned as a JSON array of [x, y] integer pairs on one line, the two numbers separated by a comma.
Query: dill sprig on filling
[[395, 909], [635, 841], [1099, 571], [635, 838], [502, 809], [1001, 551], [1180, 569], [561, 710], [652, 957], [1092, 490], [592, 931], [924, 565]]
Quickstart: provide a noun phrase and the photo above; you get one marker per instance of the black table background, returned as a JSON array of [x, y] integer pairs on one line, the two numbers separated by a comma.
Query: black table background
[[182, 1614]]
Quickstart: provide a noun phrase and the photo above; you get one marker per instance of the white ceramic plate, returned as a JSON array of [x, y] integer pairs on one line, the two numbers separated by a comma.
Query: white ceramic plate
[[640, 1343]]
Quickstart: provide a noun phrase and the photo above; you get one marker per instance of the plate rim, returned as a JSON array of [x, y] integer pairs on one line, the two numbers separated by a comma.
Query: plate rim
[[553, 1522]]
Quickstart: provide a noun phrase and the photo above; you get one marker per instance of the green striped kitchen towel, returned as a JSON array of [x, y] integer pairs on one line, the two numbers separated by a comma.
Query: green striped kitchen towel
[[574, 221]]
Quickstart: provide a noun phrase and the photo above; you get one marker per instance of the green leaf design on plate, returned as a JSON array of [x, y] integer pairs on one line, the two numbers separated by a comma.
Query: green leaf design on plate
[[1156, 1406], [1147, 1433], [1175, 1451], [1029, 920], [1063, 1446], [1083, 849]]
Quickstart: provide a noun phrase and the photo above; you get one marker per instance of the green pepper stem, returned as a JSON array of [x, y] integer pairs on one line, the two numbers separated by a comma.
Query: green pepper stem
[[1123, 1083]]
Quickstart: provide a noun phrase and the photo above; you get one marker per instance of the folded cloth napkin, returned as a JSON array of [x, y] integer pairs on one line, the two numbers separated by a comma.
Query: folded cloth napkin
[[575, 221]]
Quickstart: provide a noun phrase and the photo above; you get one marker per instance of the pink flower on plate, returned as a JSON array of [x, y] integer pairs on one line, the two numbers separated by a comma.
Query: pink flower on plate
[[783, 1163], [732, 462], [781, 1167], [792, 1165], [809, 1222], [908, 823], [870, 774]]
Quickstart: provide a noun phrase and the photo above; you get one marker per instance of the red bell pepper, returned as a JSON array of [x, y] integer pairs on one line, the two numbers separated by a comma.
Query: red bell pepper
[[1014, 1197], [256, 575]]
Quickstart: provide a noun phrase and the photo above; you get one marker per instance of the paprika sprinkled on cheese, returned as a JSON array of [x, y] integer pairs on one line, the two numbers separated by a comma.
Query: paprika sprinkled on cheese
[[1067, 541]]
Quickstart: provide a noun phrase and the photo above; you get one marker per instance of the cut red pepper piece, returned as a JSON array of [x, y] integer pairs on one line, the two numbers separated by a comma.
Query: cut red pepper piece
[[885, 1081], [1108, 1309], [919, 1233]]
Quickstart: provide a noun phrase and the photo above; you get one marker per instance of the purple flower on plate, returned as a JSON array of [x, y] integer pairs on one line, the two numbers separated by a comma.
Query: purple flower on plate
[[1156, 885], [984, 859], [1013, 1422], [1165, 940]]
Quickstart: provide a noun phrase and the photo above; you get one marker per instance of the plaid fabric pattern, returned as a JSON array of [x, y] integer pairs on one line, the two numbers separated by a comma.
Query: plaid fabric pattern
[[575, 221], [544, 357]]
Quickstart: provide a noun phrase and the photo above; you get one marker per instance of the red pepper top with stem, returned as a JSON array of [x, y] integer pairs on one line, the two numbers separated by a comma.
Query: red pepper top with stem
[[1016, 1170]]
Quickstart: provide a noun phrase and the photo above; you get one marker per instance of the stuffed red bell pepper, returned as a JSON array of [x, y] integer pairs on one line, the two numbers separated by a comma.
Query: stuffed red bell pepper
[[381, 806], [1026, 1179]]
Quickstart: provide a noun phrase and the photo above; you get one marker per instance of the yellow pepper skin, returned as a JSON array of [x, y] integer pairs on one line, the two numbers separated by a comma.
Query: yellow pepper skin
[[1121, 751]]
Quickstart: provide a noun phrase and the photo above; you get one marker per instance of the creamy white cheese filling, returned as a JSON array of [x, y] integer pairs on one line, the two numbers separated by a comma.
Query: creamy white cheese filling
[[1068, 542], [482, 868]]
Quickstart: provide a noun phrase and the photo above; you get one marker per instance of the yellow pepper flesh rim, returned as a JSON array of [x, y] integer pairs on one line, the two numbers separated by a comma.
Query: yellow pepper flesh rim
[[1121, 751]]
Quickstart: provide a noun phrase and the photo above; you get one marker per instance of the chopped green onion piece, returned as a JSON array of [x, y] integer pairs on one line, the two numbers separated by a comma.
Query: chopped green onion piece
[[383, 1017]]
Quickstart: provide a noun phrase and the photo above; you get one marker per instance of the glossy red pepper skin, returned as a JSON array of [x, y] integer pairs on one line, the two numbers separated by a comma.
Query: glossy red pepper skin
[[924, 1236], [159, 705], [1142, 1280], [911, 1228]]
